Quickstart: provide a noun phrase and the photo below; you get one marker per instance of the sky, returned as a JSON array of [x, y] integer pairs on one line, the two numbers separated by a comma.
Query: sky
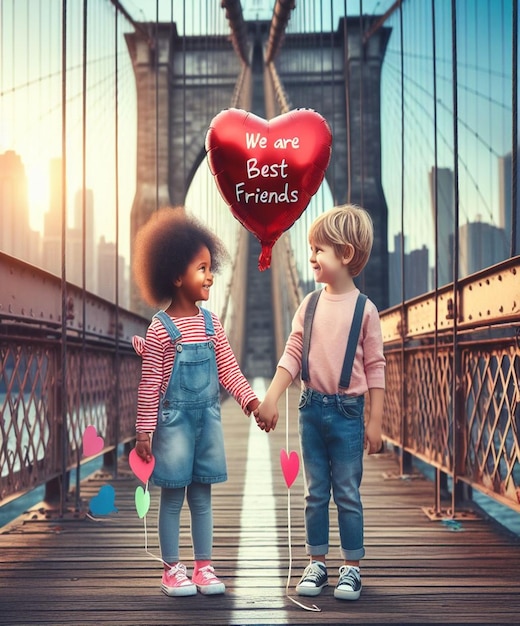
[[31, 88], [315, 11]]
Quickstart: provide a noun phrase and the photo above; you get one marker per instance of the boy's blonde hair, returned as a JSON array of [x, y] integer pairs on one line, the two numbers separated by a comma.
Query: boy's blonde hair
[[342, 225]]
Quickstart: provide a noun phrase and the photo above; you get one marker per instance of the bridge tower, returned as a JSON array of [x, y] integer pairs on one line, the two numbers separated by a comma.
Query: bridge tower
[[339, 75], [175, 78]]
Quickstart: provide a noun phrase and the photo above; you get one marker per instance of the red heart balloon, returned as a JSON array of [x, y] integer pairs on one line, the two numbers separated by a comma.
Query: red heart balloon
[[267, 171]]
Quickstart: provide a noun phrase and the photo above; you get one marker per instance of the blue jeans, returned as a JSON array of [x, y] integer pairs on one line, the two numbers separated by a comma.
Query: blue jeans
[[332, 435]]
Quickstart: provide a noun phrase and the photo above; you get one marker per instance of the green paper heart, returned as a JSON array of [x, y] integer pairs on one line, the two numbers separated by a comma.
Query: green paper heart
[[142, 501]]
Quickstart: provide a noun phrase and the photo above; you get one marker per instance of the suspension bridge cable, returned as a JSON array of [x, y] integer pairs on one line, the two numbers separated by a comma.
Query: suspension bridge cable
[[63, 343], [362, 54], [157, 52], [514, 123], [333, 98], [117, 208], [347, 102], [381, 21], [455, 360], [361, 110], [402, 362], [401, 45], [184, 119], [138, 27], [84, 56], [435, 192], [415, 106]]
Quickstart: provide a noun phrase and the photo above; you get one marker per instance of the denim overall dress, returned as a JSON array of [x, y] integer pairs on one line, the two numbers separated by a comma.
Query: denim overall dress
[[188, 444]]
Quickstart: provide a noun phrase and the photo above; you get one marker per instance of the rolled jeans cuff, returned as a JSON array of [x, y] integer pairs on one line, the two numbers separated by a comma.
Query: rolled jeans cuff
[[352, 555], [317, 550]]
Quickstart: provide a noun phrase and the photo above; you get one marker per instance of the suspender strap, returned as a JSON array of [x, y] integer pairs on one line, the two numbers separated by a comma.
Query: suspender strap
[[307, 325], [174, 332], [210, 329], [353, 338], [167, 322]]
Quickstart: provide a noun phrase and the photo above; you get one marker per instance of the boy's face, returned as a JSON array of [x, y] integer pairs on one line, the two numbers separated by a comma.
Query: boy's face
[[326, 264]]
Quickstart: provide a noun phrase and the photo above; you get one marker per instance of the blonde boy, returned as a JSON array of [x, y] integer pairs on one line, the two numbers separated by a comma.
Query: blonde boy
[[336, 372]]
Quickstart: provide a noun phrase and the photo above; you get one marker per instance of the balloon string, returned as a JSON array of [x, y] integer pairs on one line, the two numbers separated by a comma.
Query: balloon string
[[289, 524], [287, 420], [157, 558]]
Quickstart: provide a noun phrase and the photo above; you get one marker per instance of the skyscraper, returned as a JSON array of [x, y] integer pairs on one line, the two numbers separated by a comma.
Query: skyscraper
[[443, 209], [107, 273], [505, 202], [416, 272], [53, 220], [480, 245], [81, 239], [15, 236]]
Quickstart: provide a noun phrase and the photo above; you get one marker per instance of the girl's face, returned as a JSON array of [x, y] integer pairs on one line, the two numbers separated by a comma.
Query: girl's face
[[198, 277], [326, 264]]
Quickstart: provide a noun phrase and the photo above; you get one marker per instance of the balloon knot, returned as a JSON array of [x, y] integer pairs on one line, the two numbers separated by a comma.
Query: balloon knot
[[264, 260]]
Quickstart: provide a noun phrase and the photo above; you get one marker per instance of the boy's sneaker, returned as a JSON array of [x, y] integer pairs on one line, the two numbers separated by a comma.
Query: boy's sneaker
[[349, 583], [175, 582], [206, 581], [313, 580]]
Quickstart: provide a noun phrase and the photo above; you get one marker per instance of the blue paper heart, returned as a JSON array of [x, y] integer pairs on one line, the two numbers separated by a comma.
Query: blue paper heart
[[103, 503]]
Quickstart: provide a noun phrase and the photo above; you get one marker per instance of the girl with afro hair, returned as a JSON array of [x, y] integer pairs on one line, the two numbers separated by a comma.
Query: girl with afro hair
[[186, 356]]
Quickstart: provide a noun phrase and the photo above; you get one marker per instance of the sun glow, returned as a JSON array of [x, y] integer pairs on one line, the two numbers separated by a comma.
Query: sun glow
[[38, 189]]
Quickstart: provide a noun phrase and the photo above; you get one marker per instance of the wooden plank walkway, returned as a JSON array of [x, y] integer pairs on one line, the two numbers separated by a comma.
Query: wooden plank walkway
[[74, 570]]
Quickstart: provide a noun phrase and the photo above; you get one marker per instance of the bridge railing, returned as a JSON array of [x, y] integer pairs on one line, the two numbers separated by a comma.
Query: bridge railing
[[57, 378], [453, 383]]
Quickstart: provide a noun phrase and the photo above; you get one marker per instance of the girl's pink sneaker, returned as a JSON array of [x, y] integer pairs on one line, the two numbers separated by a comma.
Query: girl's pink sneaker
[[175, 582], [206, 581]]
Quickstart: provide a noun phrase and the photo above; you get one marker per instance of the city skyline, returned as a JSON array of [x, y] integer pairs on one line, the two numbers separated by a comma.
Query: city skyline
[[480, 243], [42, 248], [31, 107]]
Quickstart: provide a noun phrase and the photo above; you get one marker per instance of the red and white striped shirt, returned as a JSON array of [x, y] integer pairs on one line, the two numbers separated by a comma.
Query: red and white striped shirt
[[158, 355]]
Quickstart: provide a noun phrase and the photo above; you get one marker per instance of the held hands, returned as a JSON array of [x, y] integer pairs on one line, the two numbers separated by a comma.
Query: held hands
[[263, 423], [267, 413], [142, 447]]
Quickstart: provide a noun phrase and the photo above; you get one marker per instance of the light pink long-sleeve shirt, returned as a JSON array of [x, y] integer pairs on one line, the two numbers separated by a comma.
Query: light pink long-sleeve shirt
[[330, 331]]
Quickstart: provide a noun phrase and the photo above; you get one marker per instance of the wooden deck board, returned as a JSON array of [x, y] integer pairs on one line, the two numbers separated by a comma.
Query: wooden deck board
[[74, 570]]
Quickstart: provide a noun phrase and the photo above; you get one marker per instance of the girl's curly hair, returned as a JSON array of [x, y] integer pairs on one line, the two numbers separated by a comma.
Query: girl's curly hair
[[164, 247]]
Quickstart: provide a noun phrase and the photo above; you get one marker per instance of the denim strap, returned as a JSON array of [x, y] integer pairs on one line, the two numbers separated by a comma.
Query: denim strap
[[210, 330], [307, 325], [353, 339], [173, 331]]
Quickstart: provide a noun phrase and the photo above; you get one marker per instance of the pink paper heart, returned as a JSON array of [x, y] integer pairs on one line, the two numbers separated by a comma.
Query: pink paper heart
[[290, 466], [92, 444], [142, 501], [140, 468]]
